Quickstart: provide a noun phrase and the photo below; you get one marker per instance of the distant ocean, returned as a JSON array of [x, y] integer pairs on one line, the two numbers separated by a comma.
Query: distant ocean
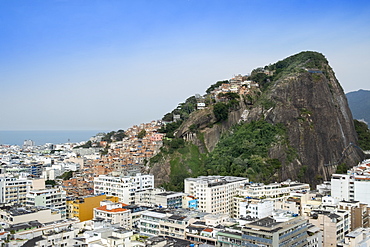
[[40, 137]]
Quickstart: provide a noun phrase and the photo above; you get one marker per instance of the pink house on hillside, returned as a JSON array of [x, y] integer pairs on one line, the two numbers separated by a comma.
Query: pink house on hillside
[[157, 137]]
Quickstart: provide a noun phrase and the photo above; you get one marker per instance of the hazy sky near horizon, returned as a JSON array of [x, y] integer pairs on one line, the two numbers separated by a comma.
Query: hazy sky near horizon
[[107, 65]]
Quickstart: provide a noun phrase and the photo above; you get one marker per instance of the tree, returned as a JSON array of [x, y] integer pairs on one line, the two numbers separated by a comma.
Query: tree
[[168, 117], [50, 182], [119, 135], [363, 134], [221, 111], [216, 85], [108, 137], [88, 144], [141, 134], [67, 175]]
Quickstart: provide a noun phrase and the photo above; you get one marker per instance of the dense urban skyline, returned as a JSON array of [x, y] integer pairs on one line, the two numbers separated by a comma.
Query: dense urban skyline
[[79, 65]]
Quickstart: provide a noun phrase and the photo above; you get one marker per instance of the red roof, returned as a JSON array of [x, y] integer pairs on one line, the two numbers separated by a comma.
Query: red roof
[[104, 208], [208, 230]]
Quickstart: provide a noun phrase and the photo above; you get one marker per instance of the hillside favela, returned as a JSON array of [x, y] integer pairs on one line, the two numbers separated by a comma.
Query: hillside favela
[[271, 157]]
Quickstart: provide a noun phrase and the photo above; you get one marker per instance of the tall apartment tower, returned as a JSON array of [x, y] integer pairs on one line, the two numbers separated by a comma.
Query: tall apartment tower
[[214, 193], [340, 187]]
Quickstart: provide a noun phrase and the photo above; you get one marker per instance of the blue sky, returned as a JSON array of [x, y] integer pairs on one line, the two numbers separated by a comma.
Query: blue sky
[[93, 65]]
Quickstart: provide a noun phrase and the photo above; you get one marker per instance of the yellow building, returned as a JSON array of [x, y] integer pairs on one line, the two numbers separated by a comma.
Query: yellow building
[[83, 208]]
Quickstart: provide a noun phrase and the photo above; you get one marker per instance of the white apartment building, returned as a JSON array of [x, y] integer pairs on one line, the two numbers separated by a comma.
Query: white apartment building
[[150, 222], [254, 208], [215, 193], [340, 187], [169, 199], [273, 190], [114, 213], [14, 189], [123, 187], [353, 186], [53, 198], [159, 198], [173, 222], [60, 233]]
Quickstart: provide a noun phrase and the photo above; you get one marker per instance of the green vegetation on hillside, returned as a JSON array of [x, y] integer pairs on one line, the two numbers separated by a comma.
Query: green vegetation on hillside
[[88, 144], [363, 134], [50, 182], [293, 64], [183, 109], [66, 176], [170, 128], [221, 111], [114, 136], [342, 168], [244, 151], [186, 161], [108, 137], [216, 85], [141, 134]]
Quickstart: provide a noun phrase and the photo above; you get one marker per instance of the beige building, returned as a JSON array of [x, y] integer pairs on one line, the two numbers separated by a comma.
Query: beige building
[[335, 225], [359, 213], [359, 237], [214, 193]]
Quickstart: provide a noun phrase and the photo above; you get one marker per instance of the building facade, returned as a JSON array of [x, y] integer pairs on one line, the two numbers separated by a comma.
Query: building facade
[[214, 193], [50, 198], [335, 225], [123, 187], [354, 185], [268, 232], [17, 215], [114, 213], [83, 208], [14, 189], [252, 208]]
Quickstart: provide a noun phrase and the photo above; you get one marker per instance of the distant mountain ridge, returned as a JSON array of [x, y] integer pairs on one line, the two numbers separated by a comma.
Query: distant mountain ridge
[[359, 103]]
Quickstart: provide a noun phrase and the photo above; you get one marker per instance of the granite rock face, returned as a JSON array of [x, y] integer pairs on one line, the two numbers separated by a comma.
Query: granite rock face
[[312, 106], [319, 123]]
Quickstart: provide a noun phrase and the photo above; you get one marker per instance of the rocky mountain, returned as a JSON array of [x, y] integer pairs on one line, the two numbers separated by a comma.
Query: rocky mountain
[[295, 125], [359, 103]]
